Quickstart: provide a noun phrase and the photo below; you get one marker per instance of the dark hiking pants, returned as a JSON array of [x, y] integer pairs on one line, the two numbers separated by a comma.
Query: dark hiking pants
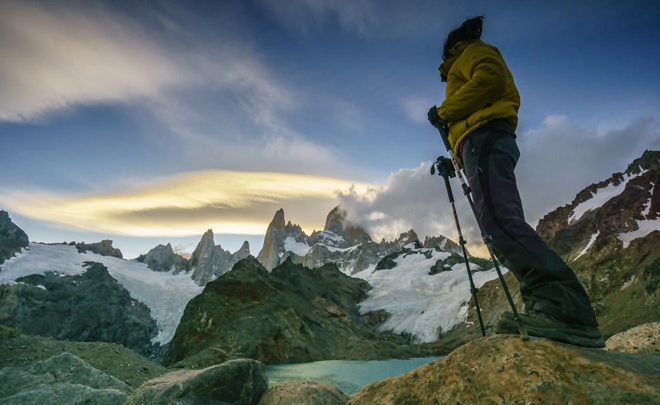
[[547, 284]]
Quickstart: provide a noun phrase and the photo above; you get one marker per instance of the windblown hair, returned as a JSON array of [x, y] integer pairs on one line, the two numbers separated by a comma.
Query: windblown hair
[[470, 29]]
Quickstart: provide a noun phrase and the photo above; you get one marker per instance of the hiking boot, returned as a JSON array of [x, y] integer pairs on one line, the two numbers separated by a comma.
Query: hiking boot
[[541, 325]]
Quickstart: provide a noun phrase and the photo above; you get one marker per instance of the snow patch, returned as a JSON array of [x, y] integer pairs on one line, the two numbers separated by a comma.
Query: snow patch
[[644, 227], [295, 247], [601, 196], [591, 242]]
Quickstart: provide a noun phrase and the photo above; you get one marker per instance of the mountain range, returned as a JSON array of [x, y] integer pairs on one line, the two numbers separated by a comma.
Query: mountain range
[[333, 294], [606, 233]]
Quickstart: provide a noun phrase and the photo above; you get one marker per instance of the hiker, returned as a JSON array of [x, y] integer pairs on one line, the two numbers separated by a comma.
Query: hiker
[[481, 110]]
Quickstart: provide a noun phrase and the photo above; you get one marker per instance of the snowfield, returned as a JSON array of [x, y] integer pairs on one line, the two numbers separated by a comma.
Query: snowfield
[[421, 304]]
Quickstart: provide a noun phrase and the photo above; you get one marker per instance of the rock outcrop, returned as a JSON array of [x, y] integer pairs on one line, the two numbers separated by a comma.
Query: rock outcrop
[[209, 261], [503, 369], [162, 258], [640, 339], [62, 379], [91, 307], [292, 314], [12, 238], [103, 248]]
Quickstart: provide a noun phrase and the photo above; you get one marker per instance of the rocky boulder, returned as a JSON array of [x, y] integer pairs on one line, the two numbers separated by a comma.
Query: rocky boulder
[[62, 379], [640, 339], [292, 314], [89, 307], [505, 369], [303, 392], [12, 238], [240, 381]]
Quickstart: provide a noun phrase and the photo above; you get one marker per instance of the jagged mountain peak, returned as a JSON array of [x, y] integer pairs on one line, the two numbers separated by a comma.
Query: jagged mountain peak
[[409, 237], [209, 260], [278, 220], [650, 160]]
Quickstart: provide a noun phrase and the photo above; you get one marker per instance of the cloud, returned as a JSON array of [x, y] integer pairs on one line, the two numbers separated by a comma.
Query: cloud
[[306, 15], [558, 159], [411, 199], [561, 157], [56, 57], [416, 109], [181, 205]]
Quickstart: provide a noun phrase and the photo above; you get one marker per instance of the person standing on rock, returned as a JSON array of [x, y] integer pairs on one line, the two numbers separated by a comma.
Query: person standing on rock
[[481, 111]]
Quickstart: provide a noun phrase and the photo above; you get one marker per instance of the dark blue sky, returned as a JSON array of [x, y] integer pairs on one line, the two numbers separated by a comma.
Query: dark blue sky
[[102, 100]]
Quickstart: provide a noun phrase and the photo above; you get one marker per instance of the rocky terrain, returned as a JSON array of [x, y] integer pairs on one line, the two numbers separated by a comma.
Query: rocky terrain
[[617, 263], [292, 314], [91, 307], [503, 369]]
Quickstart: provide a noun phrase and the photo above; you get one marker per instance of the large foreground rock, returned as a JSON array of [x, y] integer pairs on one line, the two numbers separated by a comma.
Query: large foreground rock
[[503, 369], [62, 379], [303, 392], [640, 339], [240, 381]]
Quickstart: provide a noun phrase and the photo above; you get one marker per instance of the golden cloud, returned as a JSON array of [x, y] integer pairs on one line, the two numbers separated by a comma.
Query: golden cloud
[[228, 202]]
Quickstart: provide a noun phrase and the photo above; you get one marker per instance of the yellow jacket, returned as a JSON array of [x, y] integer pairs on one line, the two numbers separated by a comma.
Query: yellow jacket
[[479, 89]]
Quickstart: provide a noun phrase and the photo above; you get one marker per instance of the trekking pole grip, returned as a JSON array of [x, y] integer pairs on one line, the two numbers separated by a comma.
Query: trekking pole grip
[[441, 126]]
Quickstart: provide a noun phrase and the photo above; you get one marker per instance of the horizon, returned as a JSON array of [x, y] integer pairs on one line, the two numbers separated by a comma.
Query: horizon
[[148, 123]]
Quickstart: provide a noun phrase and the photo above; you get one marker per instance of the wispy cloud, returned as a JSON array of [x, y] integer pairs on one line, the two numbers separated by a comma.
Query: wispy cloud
[[57, 57], [228, 202], [305, 15]]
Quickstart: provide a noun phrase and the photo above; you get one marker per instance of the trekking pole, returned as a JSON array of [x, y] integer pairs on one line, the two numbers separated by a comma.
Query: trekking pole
[[446, 170], [442, 128]]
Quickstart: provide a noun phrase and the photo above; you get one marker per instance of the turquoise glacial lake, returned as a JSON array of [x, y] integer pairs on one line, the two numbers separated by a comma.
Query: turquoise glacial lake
[[347, 375]]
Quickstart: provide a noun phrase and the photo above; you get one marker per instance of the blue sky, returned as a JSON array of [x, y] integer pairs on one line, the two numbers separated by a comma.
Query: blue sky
[[150, 122]]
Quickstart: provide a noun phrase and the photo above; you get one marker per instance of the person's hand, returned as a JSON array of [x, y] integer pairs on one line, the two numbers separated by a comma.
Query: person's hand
[[434, 118]]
